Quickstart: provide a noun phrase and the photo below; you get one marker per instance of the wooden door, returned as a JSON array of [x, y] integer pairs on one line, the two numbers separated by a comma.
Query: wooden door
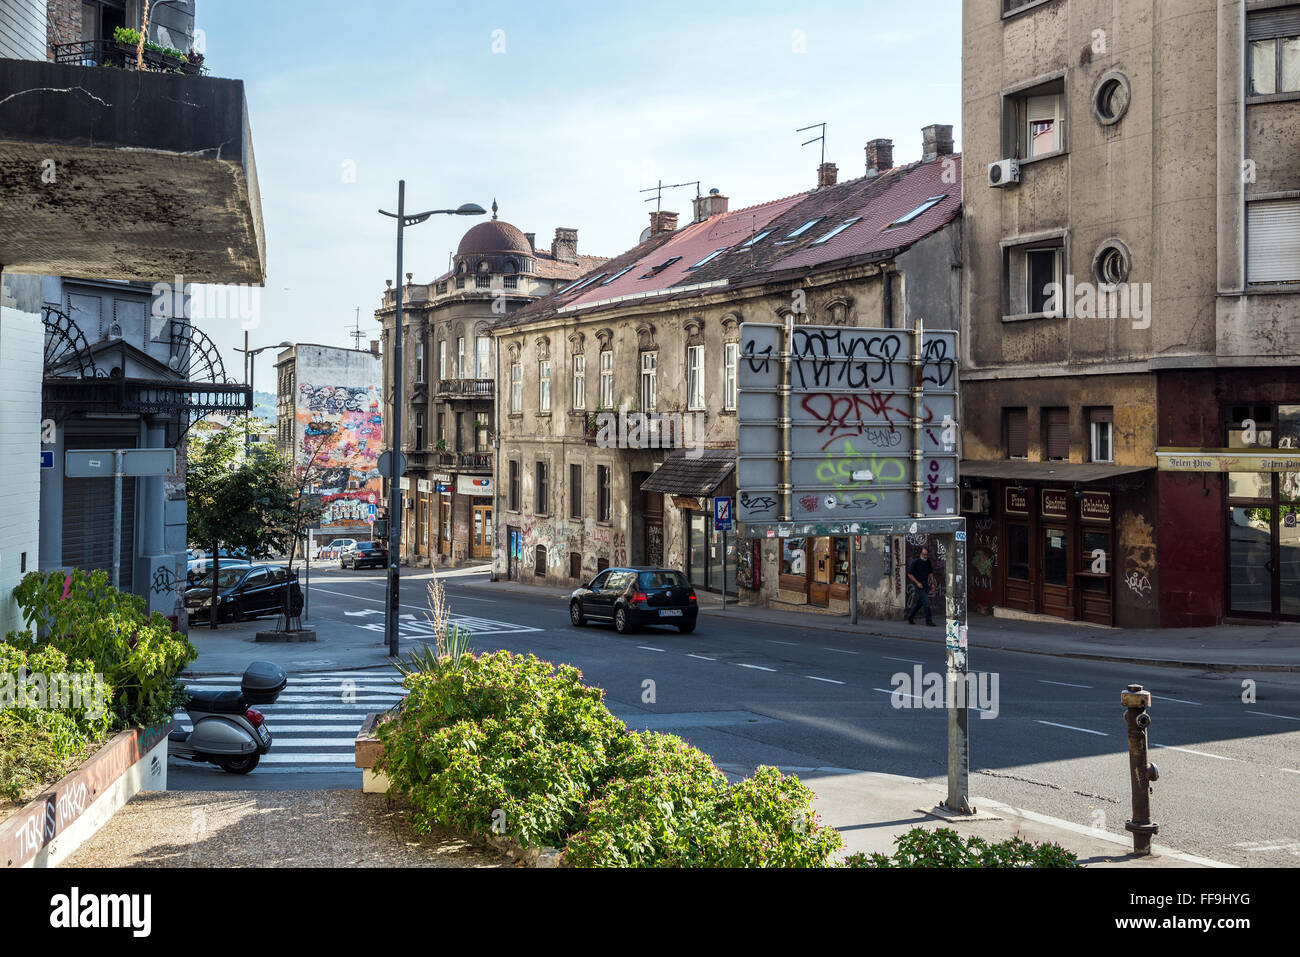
[[481, 531], [1056, 567]]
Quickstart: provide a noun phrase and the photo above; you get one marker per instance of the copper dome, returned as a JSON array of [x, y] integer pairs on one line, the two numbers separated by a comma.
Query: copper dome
[[494, 236]]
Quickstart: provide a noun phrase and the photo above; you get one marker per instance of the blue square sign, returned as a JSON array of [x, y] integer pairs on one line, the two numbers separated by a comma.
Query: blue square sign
[[47, 459], [722, 513]]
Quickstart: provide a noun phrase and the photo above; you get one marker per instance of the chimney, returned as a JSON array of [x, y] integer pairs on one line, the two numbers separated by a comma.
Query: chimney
[[936, 141], [532, 241], [711, 205], [826, 174], [880, 156], [565, 244], [662, 221], [374, 348]]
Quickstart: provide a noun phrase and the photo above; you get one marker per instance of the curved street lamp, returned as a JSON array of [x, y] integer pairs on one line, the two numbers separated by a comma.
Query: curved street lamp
[[404, 219]]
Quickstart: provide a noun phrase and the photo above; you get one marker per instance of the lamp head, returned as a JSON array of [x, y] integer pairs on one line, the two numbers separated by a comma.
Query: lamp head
[[470, 209]]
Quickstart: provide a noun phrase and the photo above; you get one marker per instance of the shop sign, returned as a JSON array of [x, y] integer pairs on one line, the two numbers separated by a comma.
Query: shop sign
[[687, 503], [424, 485], [442, 477], [473, 485], [1227, 460], [1095, 507], [404, 483], [1017, 501], [1056, 503]]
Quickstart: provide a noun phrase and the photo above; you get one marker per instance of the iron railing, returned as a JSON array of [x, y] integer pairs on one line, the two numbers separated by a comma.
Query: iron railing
[[110, 53], [477, 388]]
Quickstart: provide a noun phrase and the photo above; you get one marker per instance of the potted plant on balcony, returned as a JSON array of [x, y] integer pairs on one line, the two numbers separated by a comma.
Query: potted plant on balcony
[[440, 445]]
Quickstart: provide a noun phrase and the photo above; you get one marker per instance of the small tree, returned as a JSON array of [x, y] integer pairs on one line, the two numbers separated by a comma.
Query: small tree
[[306, 475], [247, 505]]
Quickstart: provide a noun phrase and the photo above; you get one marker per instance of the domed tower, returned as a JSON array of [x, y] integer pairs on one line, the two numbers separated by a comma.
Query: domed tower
[[494, 248]]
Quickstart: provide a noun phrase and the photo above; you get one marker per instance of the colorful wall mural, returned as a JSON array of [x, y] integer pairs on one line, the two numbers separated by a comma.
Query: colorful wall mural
[[348, 465]]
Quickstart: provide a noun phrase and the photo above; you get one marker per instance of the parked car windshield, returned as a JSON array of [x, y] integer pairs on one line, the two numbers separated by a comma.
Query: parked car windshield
[[663, 580], [227, 577]]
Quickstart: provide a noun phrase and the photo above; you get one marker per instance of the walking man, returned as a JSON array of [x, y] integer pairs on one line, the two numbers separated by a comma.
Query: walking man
[[921, 574]]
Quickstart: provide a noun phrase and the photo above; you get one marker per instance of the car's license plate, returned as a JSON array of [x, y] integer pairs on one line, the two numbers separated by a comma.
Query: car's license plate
[[670, 613], [264, 734]]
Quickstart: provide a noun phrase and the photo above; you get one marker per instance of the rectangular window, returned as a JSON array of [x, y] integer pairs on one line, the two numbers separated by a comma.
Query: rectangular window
[[1056, 434], [461, 446], [516, 388], [731, 353], [482, 357], [442, 358], [1274, 38], [482, 433], [514, 486], [1273, 241], [542, 505], [442, 426], [460, 357], [419, 361], [544, 385], [575, 491], [602, 493], [649, 381], [579, 381], [695, 378], [1029, 271], [1033, 121], [606, 400], [1016, 427], [709, 258], [837, 230], [1100, 431], [419, 431]]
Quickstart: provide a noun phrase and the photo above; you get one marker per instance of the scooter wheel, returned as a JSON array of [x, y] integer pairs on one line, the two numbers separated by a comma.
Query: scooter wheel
[[240, 765]]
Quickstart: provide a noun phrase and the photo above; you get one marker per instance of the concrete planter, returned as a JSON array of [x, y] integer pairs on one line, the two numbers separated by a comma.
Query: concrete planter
[[53, 825], [302, 634]]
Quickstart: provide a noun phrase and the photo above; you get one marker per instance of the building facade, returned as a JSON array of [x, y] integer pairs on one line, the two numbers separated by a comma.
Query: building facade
[[329, 421], [619, 394], [1132, 258], [450, 382]]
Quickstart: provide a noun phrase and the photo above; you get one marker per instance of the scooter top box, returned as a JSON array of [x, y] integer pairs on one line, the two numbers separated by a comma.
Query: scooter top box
[[262, 682]]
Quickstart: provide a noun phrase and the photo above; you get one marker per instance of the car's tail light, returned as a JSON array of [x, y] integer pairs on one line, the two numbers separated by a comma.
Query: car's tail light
[[692, 598], [639, 598], [254, 717]]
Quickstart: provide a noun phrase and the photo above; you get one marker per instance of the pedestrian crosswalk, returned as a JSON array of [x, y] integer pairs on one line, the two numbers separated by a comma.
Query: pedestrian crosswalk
[[314, 722]]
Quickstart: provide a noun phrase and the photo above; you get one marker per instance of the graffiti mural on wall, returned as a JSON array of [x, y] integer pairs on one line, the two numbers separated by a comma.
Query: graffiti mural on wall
[[350, 480]]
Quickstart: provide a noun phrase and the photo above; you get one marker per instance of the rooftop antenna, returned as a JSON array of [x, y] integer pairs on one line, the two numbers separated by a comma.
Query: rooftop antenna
[[659, 192], [355, 332], [813, 126]]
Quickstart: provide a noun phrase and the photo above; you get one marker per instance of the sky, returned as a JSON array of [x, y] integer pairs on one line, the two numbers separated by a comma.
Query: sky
[[560, 111]]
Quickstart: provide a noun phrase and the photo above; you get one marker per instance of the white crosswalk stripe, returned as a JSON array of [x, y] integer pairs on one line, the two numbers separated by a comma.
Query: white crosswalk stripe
[[314, 722]]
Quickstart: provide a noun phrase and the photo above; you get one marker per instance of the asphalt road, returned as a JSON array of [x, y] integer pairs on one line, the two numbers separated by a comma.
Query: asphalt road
[[751, 693]]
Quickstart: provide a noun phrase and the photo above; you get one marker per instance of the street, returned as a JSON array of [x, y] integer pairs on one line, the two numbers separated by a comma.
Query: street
[[751, 693]]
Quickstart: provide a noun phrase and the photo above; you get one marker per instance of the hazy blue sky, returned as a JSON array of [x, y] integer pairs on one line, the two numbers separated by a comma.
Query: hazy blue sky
[[588, 103]]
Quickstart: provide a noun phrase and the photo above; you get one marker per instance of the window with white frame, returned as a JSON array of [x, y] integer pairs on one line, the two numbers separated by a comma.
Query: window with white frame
[[1101, 434], [460, 357], [482, 357], [1273, 241], [442, 358], [606, 399], [516, 388], [731, 359], [1274, 38], [419, 361], [1033, 276], [544, 385], [1034, 120], [695, 378], [579, 381], [649, 381]]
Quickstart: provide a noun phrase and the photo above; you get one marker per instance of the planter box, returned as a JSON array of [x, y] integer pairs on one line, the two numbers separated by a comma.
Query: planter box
[[49, 828], [368, 749]]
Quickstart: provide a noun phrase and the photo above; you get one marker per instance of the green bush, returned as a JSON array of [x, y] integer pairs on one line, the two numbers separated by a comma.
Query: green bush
[[82, 615], [944, 847], [659, 801], [767, 820], [505, 744]]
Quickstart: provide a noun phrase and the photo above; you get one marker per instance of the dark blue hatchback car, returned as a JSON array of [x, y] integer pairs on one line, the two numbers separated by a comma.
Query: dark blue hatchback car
[[633, 597]]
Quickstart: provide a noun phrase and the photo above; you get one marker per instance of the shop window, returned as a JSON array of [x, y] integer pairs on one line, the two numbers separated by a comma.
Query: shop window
[[1015, 427], [1056, 434], [1018, 552], [1101, 434], [841, 561], [1055, 560], [794, 556]]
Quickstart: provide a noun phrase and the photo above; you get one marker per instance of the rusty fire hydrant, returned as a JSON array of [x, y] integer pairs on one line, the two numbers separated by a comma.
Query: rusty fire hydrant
[[1141, 772]]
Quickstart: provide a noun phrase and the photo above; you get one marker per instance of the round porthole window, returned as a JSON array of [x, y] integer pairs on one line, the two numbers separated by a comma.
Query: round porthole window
[[1111, 264], [1111, 98]]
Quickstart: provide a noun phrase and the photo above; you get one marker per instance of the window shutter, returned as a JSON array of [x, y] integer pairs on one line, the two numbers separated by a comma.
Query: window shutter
[[1058, 433], [1273, 23], [1273, 241], [1101, 415], [1017, 433]]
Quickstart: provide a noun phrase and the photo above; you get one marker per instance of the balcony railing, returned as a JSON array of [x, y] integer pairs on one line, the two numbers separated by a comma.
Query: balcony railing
[[469, 388], [110, 53], [466, 461]]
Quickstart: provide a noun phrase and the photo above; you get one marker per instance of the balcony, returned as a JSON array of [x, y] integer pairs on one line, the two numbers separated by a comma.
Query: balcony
[[122, 56], [466, 461], [466, 388]]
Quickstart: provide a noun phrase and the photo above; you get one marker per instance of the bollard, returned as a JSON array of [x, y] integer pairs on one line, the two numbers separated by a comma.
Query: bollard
[[1141, 772]]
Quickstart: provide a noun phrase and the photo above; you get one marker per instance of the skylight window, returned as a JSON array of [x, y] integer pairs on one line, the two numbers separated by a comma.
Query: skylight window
[[710, 257], [917, 212], [836, 231], [617, 274], [749, 242], [661, 267], [588, 282], [805, 227], [571, 285]]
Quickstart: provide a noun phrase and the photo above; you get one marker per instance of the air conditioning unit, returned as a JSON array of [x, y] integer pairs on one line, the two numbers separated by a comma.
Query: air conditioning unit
[[1004, 172], [975, 501]]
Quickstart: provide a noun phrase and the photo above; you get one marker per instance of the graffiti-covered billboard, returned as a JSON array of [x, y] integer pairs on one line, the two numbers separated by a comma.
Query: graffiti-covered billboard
[[340, 431]]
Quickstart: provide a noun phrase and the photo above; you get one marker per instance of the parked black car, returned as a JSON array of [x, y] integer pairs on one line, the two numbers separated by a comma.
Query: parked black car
[[361, 554], [632, 597], [243, 592], [200, 563]]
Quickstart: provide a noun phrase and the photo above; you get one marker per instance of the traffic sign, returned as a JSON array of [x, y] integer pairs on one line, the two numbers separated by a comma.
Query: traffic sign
[[384, 459], [99, 463], [722, 513], [47, 458]]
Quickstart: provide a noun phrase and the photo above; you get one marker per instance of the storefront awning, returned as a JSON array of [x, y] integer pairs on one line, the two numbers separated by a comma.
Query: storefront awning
[[1019, 470], [692, 472]]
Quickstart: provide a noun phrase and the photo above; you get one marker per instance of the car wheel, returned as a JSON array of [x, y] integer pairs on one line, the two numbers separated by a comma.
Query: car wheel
[[575, 614], [621, 623], [686, 627], [237, 612]]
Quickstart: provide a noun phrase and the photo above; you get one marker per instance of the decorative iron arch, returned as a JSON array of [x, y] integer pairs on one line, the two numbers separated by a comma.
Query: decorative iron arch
[[65, 346], [197, 356]]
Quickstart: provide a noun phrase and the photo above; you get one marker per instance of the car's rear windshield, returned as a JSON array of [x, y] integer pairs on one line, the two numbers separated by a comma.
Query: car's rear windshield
[[662, 580], [367, 547]]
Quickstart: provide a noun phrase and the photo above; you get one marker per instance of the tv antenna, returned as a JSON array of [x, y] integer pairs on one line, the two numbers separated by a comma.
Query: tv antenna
[[658, 191], [813, 126], [355, 331]]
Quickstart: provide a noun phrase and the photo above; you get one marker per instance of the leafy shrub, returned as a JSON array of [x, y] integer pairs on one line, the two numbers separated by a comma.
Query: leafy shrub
[[944, 847], [83, 616], [659, 802], [767, 820], [504, 744]]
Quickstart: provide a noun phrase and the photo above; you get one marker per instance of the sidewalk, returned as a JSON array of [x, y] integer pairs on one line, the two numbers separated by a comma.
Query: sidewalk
[[1264, 647]]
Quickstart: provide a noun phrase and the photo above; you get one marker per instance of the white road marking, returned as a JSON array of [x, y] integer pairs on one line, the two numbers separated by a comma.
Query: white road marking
[[648, 648], [828, 680], [755, 667], [1204, 754], [1177, 700], [1063, 684], [701, 657], [890, 691], [840, 650], [910, 661], [357, 614], [1070, 727], [790, 643], [1284, 717], [294, 758]]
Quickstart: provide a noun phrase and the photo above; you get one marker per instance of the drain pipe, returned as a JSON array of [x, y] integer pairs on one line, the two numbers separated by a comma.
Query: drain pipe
[[918, 410]]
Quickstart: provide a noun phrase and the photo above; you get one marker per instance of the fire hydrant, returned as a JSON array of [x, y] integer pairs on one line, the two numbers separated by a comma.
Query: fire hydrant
[[1141, 772]]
